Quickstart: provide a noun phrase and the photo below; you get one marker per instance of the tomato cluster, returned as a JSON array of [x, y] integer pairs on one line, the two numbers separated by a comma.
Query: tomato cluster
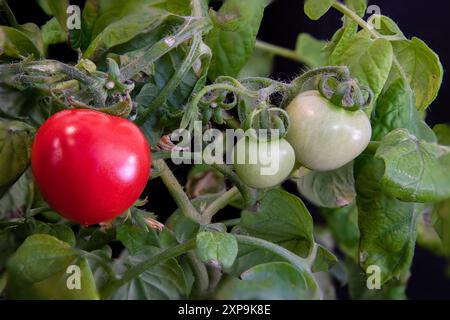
[[321, 137]]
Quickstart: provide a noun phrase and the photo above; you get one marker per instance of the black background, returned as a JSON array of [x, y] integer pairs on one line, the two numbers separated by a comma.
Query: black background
[[283, 21]]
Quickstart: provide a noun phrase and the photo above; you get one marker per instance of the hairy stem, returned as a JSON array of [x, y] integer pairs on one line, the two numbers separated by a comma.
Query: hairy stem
[[245, 191], [176, 190], [219, 204], [372, 147], [299, 263], [197, 8], [231, 222], [277, 50], [138, 269], [200, 271]]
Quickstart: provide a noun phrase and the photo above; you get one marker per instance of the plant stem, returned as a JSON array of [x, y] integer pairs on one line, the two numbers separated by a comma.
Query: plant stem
[[277, 50], [219, 204], [176, 190], [231, 222], [197, 9], [9, 14], [138, 269], [200, 272], [230, 120], [245, 191], [299, 263], [105, 266], [352, 15], [372, 147]]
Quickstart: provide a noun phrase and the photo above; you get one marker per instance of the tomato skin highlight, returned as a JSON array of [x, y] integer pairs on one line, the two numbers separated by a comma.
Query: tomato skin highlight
[[89, 166], [325, 137], [265, 164]]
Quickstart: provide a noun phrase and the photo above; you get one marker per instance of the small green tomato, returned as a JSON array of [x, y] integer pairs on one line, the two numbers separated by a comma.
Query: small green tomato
[[262, 164]]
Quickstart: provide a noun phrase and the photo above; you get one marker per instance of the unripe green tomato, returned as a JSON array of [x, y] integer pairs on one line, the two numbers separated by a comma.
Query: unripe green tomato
[[262, 164], [325, 137]]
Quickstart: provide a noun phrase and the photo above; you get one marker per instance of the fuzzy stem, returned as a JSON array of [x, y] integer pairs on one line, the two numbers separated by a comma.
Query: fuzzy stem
[[245, 191], [200, 271], [299, 263], [372, 147], [219, 204], [231, 222], [138, 269], [177, 192], [277, 50]]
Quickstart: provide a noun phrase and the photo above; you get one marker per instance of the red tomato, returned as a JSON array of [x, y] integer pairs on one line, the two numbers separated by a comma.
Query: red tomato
[[89, 166]]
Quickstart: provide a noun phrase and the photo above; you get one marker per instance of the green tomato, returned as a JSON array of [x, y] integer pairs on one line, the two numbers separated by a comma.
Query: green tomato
[[262, 164], [325, 137]]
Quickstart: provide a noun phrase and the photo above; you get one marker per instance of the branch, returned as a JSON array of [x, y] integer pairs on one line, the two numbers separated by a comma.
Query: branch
[[219, 204], [138, 269], [177, 192], [277, 50], [299, 263]]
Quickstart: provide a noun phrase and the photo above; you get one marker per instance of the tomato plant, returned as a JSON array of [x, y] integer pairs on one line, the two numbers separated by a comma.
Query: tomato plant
[[152, 83]]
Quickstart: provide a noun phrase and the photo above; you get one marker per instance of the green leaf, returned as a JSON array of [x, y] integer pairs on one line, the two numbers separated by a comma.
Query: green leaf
[[181, 7], [329, 189], [368, 60], [359, 6], [357, 282], [387, 225], [343, 223], [56, 8], [281, 218], [324, 260], [269, 281], [98, 260], [431, 228], [122, 31], [161, 282], [233, 37], [442, 132], [16, 139], [81, 38], [15, 43], [421, 67], [38, 271], [13, 237], [414, 171], [315, 9], [310, 50], [165, 117], [395, 108], [218, 247], [260, 64], [441, 225], [386, 26], [135, 238], [52, 33]]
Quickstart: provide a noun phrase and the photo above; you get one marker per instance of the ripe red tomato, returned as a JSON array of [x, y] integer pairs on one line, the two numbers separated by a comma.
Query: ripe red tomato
[[89, 166]]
